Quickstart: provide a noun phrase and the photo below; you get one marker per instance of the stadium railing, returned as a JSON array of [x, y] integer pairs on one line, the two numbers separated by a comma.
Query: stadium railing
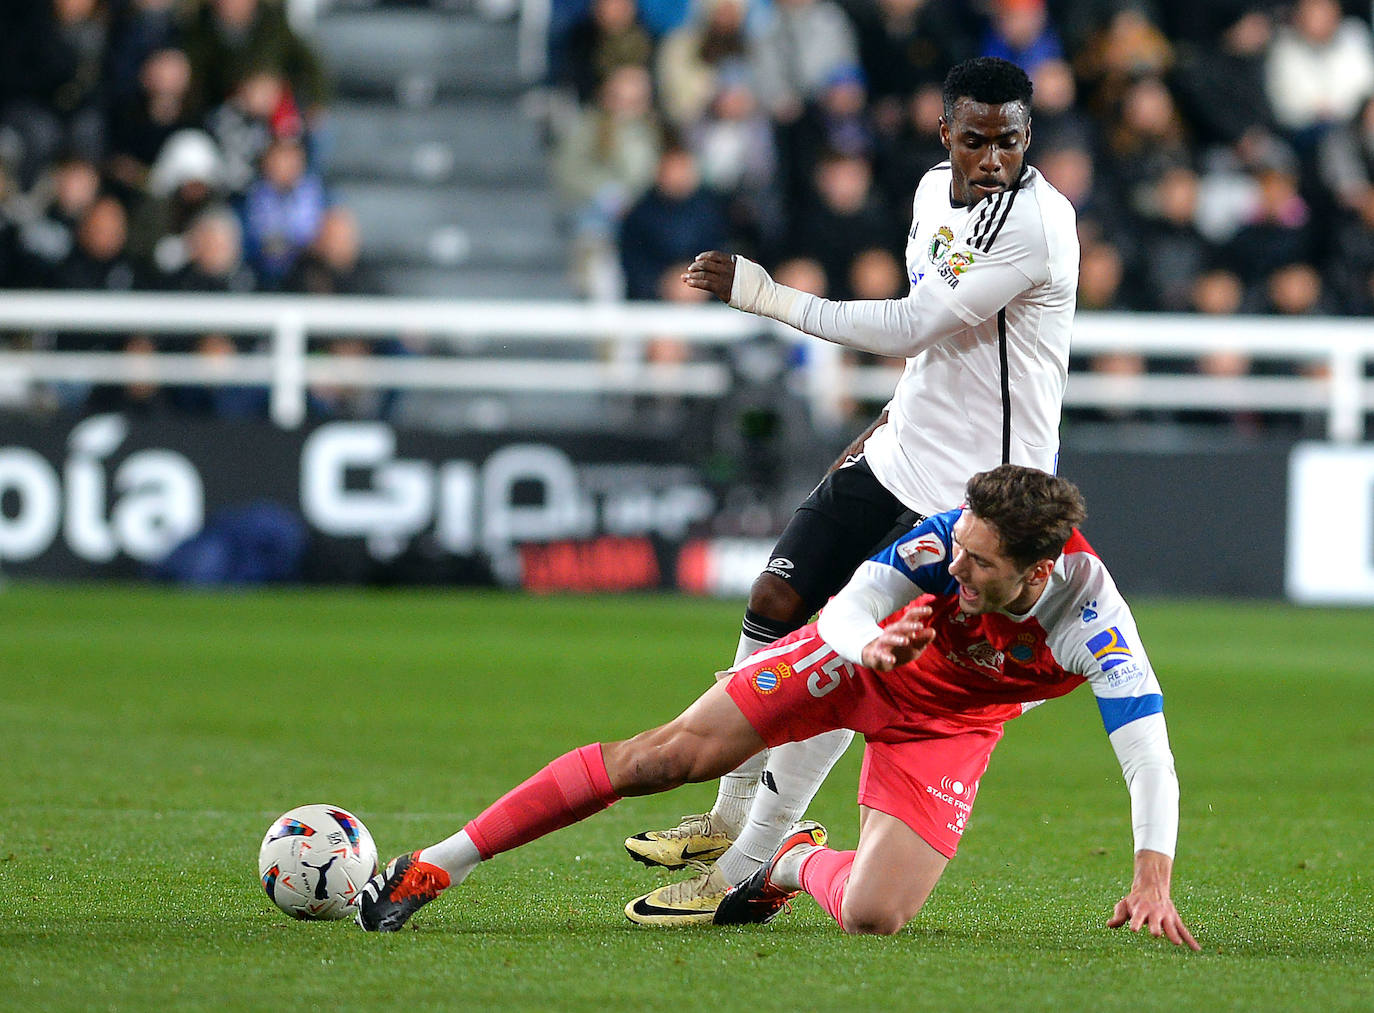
[[472, 346]]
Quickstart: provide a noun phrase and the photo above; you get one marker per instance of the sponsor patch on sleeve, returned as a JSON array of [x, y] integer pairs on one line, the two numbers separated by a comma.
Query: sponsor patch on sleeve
[[922, 551], [1110, 648]]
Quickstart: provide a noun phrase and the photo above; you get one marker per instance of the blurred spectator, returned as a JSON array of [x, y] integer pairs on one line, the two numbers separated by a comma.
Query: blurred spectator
[[905, 45], [214, 246], [243, 126], [1220, 79], [836, 120], [906, 152], [1346, 159], [143, 124], [1277, 230], [1021, 31], [846, 218], [1173, 251], [53, 72], [1101, 270], [282, 211], [803, 45], [602, 162], [1080, 21], [1346, 163], [138, 29], [1149, 136], [876, 273], [669, 350], [100, 262], [674, 221], [100, 259], [1054, 107], [46, 239], [831, 403], [1128, 48], [184, 181], [692, 58], [350, 401], [1294, 290], [221, 401], [1219, 293], [227, 40], [1070, 168], [330, 266], [608, 38], [735, 149], [1319, 70], [138, 397], [804, 273]]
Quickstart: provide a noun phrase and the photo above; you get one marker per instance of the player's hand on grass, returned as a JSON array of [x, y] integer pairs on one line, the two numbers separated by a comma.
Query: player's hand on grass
[[1148, 905], [902, 640], [714, 272]]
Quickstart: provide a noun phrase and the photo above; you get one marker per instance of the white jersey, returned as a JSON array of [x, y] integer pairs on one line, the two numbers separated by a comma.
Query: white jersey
[[986, 328]]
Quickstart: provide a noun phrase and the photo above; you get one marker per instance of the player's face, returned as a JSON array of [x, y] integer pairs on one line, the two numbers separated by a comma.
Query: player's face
[[987, 147], [988, 579]]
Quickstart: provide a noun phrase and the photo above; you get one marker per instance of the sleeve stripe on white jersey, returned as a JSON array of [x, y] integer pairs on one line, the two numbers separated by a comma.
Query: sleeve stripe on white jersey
[[986, 214], [986, 247]]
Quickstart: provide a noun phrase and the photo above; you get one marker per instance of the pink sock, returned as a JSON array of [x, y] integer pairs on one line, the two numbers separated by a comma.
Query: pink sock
[[569, 789], [824, 875]]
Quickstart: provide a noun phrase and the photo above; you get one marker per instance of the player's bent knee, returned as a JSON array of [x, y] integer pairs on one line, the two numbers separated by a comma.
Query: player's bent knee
[[774, 598], [876, 925], [867, 920]]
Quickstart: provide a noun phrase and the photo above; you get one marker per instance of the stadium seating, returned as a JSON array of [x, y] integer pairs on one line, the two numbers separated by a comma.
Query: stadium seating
[[431, 149]]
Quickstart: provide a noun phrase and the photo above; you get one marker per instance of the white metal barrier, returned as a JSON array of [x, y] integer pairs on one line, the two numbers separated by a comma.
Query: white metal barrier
[[474, 342]]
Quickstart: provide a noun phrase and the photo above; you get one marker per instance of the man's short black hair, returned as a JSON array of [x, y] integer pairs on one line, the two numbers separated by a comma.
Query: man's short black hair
[[987, 79]]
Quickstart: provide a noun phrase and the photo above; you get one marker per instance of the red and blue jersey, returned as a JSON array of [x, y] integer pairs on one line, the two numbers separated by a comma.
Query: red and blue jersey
[[986, 669]]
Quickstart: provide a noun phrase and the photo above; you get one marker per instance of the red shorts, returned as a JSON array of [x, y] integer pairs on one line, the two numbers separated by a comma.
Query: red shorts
[[923, 769]]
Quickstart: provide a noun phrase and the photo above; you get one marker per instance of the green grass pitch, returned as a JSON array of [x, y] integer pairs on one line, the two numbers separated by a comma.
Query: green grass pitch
[[148, 737]]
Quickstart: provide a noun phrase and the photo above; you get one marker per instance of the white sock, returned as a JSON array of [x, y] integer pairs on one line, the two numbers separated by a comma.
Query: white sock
[[456, 855], [794, 774], [787, 873], [736, 791]]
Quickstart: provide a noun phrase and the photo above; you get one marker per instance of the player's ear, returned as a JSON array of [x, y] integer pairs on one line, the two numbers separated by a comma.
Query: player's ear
[[944, 133], [1040, 572]]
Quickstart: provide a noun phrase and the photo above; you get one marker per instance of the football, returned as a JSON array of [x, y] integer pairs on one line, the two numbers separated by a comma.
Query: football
[[314, 859]]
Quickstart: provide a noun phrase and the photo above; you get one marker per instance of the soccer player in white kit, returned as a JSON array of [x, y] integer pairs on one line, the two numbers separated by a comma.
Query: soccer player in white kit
[[992, 256]]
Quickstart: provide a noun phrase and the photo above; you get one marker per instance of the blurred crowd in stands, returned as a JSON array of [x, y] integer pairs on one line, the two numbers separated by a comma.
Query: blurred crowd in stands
[[158, 145], [1220, 153]]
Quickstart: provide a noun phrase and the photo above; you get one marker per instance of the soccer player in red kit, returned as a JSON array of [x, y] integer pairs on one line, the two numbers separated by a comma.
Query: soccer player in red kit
[[975, 616]]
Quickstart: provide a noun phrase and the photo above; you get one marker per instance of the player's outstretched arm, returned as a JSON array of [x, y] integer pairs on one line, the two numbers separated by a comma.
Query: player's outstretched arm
[[1148, 904]]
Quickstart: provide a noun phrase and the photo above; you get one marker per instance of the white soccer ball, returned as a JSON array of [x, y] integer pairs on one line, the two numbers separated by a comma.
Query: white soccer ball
[[314, 860]]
